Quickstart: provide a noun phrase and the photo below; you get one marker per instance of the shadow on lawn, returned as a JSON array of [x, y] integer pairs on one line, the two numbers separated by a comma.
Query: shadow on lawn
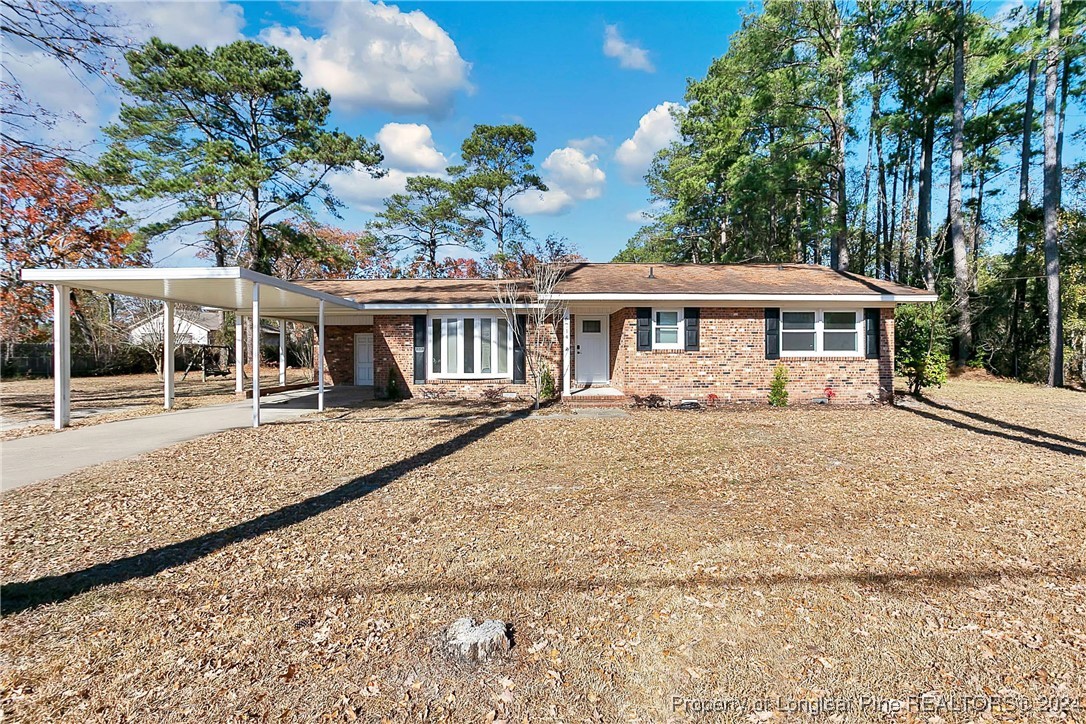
[[903, 581], [16, 597], [1046, 440]]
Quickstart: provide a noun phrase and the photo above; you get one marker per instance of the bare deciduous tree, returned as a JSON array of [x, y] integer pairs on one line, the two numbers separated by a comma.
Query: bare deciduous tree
[[83, 37], [534, 299]]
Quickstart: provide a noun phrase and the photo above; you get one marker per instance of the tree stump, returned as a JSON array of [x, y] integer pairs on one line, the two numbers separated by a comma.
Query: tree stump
[[476, 643]]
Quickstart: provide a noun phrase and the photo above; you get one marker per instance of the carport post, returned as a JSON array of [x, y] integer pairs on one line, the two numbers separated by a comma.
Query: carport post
[[282, 352], [239, 354], [62, 357], [566, 390], [320, 356], [167, 354], [256, 355]]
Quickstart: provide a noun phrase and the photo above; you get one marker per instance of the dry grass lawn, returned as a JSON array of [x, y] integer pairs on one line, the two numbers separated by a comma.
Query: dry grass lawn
[[115, 398], [305, 571]]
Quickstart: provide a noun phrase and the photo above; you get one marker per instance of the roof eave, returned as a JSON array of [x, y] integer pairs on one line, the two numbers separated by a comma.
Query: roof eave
[[672, 297]]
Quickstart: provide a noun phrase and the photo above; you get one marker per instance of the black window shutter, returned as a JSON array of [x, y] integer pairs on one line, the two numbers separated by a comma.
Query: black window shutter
[[772, 333], [420, 348], [644, 328], [871, 332], [519, 367], [692, 323]]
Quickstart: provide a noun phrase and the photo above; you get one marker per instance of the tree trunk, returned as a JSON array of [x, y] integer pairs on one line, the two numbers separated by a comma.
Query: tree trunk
[[925, 268], [891, 224], [964, 332], [906, 214], [1052, 199], [882, 237], [1019, 299], [978, 229], [259, 261], [218, 233], [865, 237], [839, 244]]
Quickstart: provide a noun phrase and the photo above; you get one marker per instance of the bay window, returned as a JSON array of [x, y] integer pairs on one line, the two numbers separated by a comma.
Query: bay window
[[821, 332], [470, 347]]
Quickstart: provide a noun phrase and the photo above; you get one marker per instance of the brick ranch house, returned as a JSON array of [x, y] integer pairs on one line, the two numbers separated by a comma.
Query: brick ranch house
[[673, 330]]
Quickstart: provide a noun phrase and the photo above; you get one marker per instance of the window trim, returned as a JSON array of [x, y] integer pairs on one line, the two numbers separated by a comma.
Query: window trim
[[819, 332], [680, 326], [445, 374]]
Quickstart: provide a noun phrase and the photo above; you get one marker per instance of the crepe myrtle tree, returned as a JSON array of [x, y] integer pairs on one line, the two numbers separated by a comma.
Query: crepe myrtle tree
[[533, 298]]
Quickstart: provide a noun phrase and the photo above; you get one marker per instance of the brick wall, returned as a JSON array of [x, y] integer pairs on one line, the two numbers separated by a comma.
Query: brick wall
[[731, 363], [393, 356], [339, 352]]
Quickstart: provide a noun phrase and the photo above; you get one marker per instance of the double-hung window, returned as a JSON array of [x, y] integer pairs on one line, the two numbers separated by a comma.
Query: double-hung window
[[667, 326], [470, 347], [821, 332]]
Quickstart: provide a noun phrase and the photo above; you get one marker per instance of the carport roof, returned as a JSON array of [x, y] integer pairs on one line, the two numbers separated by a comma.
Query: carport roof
[[218, 287]]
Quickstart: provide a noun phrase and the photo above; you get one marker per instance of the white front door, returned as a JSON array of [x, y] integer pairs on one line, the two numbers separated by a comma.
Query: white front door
[[592, 350], [363, 359]]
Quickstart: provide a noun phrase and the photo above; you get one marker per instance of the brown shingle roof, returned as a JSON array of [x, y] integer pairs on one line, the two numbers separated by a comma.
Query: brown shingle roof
[[629, 279], [409, 291], [621, 278]]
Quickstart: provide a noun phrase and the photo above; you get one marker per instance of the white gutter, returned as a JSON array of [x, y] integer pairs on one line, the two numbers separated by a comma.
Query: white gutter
[[85, 279], [407, 307], [895, 298]]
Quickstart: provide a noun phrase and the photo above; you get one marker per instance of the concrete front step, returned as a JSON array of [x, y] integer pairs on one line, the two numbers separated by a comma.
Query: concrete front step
[[597, 400]]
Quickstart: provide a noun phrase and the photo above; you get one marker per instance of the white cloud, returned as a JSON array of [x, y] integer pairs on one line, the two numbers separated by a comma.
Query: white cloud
[[656, 130], [375, 56], [630, 55], [409, 151], [570, 176], [575, 173], [551, 202], [362, 192], [588, 143], [71, 117], [186, 24], [646, 215], [410, 147]]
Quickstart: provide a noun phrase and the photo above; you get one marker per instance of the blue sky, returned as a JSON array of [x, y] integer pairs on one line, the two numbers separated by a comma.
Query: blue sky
[[595, 80], [543, 64]]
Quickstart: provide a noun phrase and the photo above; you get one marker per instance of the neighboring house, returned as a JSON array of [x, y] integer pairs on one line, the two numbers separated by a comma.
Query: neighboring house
[[197, 328], [678, 331]]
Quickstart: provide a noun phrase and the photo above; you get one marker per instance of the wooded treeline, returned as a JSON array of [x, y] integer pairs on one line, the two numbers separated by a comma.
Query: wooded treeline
[[911, 140]]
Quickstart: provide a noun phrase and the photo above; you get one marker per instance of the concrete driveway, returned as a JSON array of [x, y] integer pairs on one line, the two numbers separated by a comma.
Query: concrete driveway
[[41, 457]]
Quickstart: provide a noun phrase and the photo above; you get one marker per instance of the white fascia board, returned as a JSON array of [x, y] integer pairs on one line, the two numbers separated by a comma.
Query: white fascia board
[[93, 279], [398, 307], [264, 279], [890, 298], [139, 273]]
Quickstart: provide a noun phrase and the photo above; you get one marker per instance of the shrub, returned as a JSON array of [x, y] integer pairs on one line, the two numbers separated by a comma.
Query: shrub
[[392, 390], [547, 388], [927, 370], [922, 337], [778, 388]]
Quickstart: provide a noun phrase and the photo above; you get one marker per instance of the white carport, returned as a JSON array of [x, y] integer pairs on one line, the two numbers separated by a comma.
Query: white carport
[[244, 292]]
